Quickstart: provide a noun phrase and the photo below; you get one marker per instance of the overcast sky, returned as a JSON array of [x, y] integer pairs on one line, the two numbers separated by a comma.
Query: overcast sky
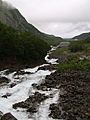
[[65, 18]]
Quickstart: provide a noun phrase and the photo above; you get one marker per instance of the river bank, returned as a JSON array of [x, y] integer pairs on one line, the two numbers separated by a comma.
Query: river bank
[[74, 86], [44, 92], [74, 96], [12, 64]]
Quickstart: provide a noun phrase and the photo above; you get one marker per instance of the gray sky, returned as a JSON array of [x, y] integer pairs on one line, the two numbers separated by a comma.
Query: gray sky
[[65, 18]]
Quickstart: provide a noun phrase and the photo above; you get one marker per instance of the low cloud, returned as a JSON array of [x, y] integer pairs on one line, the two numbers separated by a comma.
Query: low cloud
[[66, 30], [58, 17]]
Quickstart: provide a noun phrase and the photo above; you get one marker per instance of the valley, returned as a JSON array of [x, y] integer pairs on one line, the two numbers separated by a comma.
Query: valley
[[42, 76]]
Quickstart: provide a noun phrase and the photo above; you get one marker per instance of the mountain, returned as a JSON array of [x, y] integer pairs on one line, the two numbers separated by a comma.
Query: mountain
[[12, 17], [20, 47], [20, 42], [82, 36]]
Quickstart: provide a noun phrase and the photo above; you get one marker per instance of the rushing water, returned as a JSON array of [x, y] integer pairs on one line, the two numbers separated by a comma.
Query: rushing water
[[24, 89]]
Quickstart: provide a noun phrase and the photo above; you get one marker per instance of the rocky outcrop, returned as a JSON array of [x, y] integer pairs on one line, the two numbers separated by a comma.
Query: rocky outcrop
[[4, 80], [32, 102], [8, 116]]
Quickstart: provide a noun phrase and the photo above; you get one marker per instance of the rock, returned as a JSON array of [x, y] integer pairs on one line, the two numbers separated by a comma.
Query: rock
[[12, 85], [34, 85], [87, 114], [21, 72], [4, 80], [32, 102], [32, 109], [8, 116], [75, 100], [9, 71], [48, 67], [6, 95], [55, 111]]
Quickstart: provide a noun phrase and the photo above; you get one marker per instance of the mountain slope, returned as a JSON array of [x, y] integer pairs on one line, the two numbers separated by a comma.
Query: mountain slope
[[12, 17], [20, 47], [20, 42], [82, 36]]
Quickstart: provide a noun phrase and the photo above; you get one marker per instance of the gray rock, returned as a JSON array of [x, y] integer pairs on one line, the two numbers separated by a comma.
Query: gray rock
[[8, 116], [4, 80]]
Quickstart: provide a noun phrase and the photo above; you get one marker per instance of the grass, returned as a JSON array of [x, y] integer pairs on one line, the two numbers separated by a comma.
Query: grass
[[74, 64], [60, 51], [75, 51]]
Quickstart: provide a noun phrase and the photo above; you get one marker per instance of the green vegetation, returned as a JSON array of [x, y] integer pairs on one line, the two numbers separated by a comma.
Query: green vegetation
[[76, 55], [80, 46], [13, 18], [60, 51], [50, 39], [74, 64], [21, 46]]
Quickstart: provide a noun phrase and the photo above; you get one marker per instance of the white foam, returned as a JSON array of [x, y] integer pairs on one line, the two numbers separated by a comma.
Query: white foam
[[23, 89]]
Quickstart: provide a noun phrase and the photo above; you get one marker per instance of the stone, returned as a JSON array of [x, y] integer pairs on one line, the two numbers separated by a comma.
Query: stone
[[12, 85], [8, 116], [4, 80]]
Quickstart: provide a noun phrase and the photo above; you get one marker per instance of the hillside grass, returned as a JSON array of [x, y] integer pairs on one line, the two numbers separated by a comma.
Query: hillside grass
[[78, 53], [74, 64], [60, 51]]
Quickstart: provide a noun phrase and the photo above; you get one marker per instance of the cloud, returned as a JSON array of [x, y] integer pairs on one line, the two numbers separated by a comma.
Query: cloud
[[59, 17], [65, 30]]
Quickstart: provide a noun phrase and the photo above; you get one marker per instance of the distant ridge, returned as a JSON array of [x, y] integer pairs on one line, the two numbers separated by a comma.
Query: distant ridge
[[82, 36]]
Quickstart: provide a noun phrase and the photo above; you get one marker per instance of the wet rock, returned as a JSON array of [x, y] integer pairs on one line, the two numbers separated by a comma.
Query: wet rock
[[8, 116], [21, 72], [12, 85], [48, 67], [34, 85], [55, 111], [32, 109], [4, 80], [42, 87], [6, 95], [32, 102], [11, 70]]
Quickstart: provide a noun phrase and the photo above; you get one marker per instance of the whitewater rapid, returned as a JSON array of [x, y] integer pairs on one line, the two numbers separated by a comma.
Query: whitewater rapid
[[23, 89]]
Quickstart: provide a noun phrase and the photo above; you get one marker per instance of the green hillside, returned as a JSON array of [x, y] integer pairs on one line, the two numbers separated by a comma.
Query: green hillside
[[13, 18], [21, 46]]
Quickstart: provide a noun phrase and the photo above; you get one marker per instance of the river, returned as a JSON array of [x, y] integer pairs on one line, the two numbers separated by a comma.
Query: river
[[23, 89]]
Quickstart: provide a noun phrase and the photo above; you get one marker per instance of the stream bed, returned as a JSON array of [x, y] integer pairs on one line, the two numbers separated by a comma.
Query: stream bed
[[23, 89]]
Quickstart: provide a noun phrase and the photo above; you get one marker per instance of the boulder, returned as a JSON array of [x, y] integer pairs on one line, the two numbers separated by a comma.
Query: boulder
[[8, 116], [4, 80]]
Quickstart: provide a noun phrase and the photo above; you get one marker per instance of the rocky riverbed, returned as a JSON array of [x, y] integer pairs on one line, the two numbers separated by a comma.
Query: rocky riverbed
[[74, 96], [19, 97], [44, 93]]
